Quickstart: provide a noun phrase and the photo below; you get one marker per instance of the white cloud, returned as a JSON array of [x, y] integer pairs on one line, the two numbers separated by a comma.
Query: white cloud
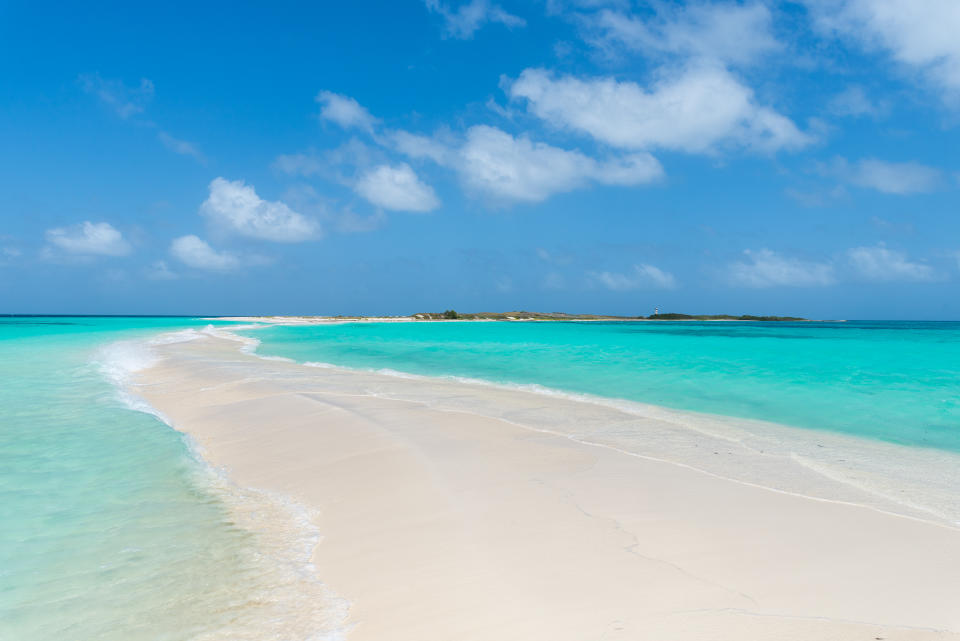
[[643, 276], [235, 206], [464, 21], [900, 178], [701, 109], [880, 263], [417, 146], [508, 168], [921, 35], [854, 102], [730, 33], [181, 147], [195, 252], [396, 187], [125, 101], [89, 239], [345, 111], [765, 268]]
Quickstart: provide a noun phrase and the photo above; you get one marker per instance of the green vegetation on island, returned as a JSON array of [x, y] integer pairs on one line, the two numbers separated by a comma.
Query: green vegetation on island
[[744, 317], [524, 315]]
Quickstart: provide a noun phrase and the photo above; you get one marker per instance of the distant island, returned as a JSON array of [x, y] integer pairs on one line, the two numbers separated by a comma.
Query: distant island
[[522, 315], [452, 315]]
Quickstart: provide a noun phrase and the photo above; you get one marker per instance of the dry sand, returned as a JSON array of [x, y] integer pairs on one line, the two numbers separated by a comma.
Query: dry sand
[[442, 525]]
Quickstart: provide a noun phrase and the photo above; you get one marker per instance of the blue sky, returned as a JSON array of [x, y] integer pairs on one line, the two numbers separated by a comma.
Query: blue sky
[[395, 157]]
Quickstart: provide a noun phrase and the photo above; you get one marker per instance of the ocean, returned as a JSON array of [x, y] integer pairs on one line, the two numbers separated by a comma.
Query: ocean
[[113, 527], [892, 381]]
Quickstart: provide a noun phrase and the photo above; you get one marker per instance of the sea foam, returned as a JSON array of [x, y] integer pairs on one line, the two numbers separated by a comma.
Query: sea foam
[[281, 596]]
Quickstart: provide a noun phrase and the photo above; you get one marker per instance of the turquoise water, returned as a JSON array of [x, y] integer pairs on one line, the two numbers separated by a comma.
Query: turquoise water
[[109, 527], [893, 381]]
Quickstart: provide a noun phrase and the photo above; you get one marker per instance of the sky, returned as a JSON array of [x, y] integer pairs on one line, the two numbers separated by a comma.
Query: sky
[[796, 158]]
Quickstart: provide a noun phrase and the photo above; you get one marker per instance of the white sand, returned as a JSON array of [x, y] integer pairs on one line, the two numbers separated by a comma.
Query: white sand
[[448, 525]]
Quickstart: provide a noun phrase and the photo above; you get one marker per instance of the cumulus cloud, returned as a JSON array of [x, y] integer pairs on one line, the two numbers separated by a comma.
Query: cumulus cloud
[[345, 111], [920, 35], [469, 17], [643, 276], [900, 178], [125, 101], [766, 268], [490, 162], [196, 252], [882, 264], [503, 167], [417, 146], [236, 207], [493, 163], [396, 187], [89, 239], [701, 109], [730, 33]]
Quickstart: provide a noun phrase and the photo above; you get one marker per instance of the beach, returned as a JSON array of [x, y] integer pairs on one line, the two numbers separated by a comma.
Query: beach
[[480, 320], [440, 519]]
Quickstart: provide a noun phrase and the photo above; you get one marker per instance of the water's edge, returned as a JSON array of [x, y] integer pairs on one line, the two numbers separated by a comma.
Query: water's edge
[[909, 481], [289, 601]]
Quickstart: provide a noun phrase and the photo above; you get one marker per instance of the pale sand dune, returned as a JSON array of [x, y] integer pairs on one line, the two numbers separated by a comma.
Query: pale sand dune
[[442, 525]]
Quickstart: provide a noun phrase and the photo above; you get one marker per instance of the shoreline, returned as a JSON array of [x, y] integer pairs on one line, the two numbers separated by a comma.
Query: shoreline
[[880, 468], [274, 588], [330, 320], [430, 485]]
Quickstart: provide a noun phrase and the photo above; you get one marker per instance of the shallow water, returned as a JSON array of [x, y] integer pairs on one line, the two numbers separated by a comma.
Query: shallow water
[[893, 381], [110, 526]]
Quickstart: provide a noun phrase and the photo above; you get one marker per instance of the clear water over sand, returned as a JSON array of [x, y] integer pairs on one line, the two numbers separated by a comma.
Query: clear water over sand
[[110, 526], [111, 520], [892, 381]]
